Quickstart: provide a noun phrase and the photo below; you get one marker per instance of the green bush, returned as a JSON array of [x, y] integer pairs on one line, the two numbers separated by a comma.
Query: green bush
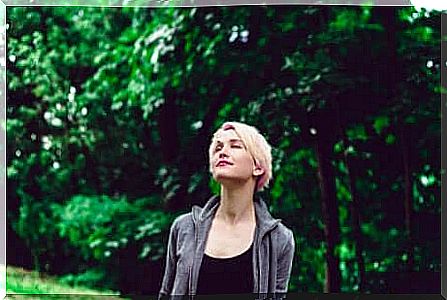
[[91, 278], [105, 229]]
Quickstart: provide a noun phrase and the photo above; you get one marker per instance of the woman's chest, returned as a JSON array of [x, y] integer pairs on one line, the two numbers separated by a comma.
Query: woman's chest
[[225, 241]]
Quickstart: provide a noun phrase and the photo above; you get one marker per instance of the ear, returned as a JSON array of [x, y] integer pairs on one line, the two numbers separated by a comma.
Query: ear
[[258, 170]]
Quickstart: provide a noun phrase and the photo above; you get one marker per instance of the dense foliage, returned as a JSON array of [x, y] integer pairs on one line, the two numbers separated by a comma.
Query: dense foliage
[[110, 112]]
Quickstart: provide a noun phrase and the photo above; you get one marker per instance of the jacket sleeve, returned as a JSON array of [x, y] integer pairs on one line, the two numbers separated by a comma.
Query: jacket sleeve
[[285, 260], [171, 263]]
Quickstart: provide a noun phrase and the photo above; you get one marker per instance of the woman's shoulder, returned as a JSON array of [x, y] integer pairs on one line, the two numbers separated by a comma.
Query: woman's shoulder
[[284, 231], [183, 221], [285, 236]]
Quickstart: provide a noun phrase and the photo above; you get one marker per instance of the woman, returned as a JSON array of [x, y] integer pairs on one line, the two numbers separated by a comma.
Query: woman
[[232, 245]]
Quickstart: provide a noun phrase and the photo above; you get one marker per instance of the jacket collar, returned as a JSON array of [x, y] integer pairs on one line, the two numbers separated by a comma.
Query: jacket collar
[[264, 219]]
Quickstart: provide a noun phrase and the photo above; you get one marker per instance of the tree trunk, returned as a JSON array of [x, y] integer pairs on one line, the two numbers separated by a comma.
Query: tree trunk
[[356, 219], [392, 78], [36, 260], [170, 145], [407, 195], [324, 147], [353, 173], [167, 127]]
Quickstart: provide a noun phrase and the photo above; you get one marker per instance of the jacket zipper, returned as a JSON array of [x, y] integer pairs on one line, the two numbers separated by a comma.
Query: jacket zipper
[[189, 280]]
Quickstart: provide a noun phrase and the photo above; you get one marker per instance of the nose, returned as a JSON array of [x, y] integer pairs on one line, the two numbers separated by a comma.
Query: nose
[[223, 152]]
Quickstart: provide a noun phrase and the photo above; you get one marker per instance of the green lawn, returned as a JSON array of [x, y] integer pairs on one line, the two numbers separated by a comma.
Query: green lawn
[[20, 284]]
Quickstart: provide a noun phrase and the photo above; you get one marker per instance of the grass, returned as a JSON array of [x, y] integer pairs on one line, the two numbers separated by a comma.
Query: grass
[[26, 284]]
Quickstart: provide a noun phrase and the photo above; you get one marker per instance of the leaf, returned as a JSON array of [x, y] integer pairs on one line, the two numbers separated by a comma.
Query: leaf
[[380, 123], [390, 139], [357, 132]]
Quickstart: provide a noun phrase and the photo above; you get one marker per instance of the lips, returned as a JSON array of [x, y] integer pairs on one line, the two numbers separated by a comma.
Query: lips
[[222, 163]]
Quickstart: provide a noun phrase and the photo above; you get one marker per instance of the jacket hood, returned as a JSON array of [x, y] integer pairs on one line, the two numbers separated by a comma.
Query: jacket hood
[[264, 219]]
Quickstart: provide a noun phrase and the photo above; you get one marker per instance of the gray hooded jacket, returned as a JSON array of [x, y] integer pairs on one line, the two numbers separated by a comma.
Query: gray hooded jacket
[[273, 251]]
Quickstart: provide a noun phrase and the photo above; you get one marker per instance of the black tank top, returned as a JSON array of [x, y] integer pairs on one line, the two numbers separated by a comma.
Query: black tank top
[[232, 275]]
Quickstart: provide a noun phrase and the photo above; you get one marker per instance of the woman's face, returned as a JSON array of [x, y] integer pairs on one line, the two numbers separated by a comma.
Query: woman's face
[[231, 161]]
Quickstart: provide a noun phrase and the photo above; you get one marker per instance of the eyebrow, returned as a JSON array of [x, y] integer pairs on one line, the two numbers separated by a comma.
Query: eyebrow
[[231, 141]]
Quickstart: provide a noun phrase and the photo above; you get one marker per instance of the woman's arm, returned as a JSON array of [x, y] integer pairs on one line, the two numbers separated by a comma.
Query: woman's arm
[[171, 262], [285, 260]]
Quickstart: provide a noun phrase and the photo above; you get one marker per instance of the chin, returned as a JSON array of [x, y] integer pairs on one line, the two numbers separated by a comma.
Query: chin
[[230, 180], [221, 176]]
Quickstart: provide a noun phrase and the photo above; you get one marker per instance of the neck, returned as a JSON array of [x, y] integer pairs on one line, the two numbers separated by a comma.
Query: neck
[[236, 204]]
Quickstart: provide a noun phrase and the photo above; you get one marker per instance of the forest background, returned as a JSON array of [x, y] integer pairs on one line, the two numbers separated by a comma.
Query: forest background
[[110, 112]]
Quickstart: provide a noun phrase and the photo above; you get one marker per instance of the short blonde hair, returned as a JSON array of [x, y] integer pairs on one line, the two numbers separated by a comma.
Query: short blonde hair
[[256, 145]]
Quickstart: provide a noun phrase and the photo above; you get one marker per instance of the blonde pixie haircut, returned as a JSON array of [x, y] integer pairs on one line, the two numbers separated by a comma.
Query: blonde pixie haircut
[[256, 145]]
